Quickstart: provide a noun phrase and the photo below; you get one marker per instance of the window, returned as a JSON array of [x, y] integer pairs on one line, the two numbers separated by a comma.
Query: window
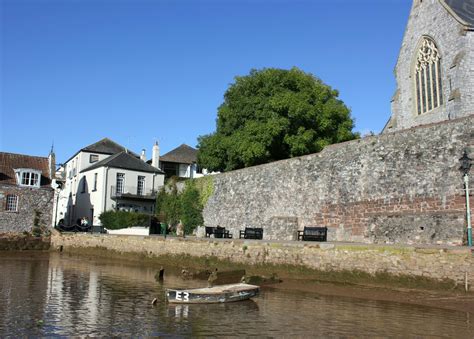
[[83, 185], [12, 203], [95, 182], [28, 177], [120, 181], [141, 185], [428, 88], [93, 158]]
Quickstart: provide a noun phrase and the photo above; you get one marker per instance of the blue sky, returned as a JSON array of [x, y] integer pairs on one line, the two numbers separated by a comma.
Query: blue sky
[[136, 71]]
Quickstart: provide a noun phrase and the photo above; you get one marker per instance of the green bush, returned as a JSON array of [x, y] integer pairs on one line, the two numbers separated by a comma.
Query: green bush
[[171, 206], [168, 204], [191, 208], [114, 220]]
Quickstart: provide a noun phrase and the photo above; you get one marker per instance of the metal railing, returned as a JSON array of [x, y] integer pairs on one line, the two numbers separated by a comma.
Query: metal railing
[[131, 191]]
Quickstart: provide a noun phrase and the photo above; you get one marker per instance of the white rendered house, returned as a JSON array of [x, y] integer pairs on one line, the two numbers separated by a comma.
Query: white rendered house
[[105, 176], [182, 162]]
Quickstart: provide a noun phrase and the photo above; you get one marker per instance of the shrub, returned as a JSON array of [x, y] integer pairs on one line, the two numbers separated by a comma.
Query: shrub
[[168, 204], [115, 220], [171, 206], [191, 208]]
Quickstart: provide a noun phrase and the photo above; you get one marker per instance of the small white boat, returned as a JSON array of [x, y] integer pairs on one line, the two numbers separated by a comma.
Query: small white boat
[[211, 295]]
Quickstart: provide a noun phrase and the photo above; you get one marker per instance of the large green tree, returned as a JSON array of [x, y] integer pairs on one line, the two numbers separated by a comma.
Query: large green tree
[[274, 114]]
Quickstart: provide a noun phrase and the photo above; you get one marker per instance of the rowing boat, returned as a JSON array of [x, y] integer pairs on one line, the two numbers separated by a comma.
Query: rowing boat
[[210, 295]]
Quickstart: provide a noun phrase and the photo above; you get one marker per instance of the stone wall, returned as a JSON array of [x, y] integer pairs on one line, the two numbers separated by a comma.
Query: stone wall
[[402, 187], [30, 200], [425, 262]]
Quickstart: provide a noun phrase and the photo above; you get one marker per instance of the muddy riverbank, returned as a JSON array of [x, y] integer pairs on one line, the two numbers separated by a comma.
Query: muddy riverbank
[[23, 242], [70, 295], [421, 292], [409, 289]]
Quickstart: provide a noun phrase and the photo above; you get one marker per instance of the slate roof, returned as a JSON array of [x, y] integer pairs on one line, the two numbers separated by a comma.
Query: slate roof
[[104, 146], [124, 160], [10, 161], [463, 8], [183, 154]]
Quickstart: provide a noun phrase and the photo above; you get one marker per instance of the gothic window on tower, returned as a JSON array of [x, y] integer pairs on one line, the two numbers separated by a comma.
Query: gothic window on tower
[[428, 87]]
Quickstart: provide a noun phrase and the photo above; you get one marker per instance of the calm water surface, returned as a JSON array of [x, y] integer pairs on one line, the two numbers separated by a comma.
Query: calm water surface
[[43, 294]]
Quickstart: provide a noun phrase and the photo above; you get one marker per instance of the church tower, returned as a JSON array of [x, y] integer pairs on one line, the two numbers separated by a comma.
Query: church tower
[[435, 67]]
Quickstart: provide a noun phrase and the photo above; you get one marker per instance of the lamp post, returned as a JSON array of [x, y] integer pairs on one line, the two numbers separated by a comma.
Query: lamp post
[[465, 167]]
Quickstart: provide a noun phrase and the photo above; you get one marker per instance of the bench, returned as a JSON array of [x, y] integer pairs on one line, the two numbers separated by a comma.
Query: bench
[[251, 233], [209, 230], [313, 234], [220, 232]]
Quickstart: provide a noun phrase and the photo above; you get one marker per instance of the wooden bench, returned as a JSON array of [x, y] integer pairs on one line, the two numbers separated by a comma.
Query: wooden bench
[[251, 233], [209, 230], [220, 232], [313, 234]]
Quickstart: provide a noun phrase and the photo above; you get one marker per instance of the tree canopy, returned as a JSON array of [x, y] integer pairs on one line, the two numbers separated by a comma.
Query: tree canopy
[[274, 114]]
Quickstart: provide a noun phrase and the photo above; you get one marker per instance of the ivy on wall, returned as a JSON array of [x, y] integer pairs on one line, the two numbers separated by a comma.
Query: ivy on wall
[[186, 206]]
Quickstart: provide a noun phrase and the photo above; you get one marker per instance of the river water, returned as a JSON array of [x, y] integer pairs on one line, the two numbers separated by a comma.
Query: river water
[[55, 294]]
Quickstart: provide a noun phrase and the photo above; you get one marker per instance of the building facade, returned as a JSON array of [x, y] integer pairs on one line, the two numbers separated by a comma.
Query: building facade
[[181, 162], [26, 195], [106, 176], [435, 67]]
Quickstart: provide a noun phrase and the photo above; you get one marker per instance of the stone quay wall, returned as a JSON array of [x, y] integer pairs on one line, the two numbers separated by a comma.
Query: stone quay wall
[[433, 262], [402, 187], [30, 201]]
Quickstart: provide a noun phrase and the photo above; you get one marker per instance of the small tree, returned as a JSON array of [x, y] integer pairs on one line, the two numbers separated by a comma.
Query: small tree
[[168, 204], [160, 201], [191, 208]]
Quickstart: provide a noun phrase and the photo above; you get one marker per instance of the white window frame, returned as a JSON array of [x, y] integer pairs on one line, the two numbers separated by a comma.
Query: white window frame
[[93, 158], [28, 177], [120, 179], [141, 185], [11, 203]]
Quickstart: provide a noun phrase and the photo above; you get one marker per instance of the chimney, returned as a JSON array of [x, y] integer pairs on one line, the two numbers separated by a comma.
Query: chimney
[[143, 156], [155, 158], [52, 164]]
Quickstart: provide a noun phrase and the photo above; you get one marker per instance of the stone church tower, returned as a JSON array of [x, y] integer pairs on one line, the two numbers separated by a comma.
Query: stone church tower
[[435, 67]]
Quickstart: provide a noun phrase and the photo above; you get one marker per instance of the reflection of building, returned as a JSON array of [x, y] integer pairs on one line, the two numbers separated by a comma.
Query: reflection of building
[[105, 176], [26, 196], [181, 162]]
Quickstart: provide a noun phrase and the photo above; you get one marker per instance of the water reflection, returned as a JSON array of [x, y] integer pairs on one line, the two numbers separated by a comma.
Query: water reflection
[[54, 294]]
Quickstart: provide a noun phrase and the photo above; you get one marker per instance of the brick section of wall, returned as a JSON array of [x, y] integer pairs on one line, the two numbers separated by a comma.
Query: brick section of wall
[[422, 220], [29, 201], [392, 188], [430, 262]]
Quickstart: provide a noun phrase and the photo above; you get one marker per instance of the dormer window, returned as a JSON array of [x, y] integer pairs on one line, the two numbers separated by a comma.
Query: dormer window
[[28, 177], [93, 158]]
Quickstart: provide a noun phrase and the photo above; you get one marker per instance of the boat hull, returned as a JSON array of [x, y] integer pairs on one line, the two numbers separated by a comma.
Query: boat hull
[[212, 295]]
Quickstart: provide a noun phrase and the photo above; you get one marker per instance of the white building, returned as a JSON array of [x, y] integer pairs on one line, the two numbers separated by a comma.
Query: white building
[[181, 162], [105, 176]]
